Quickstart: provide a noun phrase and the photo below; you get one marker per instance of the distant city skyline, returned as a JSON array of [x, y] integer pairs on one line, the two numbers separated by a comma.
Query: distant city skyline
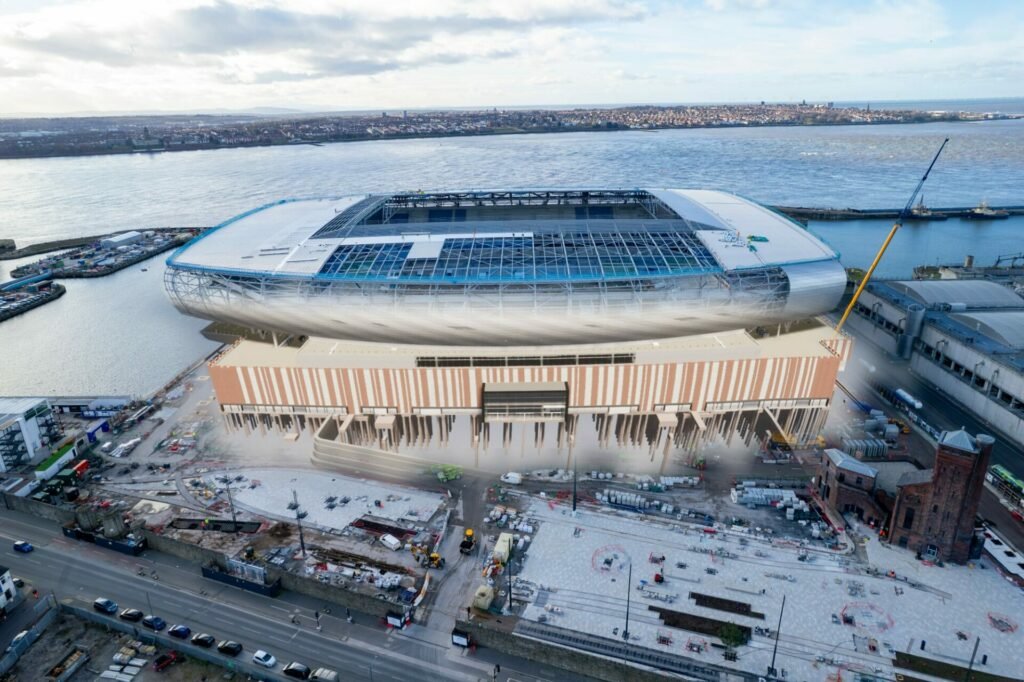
[[77, 56]]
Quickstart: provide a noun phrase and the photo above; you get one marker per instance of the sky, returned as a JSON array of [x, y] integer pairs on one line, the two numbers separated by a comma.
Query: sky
[[76, 56]]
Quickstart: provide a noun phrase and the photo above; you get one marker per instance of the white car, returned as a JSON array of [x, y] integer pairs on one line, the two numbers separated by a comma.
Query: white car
[[264, 658], [17, 640]]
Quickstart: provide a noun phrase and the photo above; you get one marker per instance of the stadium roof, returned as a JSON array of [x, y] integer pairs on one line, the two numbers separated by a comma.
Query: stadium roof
[[505, 237], [972, 293]]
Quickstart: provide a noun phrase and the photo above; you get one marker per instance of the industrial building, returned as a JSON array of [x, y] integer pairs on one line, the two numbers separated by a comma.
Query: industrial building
[[965, 337], [665, 318], [930, 511], [28, 427]]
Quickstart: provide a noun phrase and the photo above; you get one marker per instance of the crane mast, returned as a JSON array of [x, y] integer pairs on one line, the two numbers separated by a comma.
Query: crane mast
[[892, 233]]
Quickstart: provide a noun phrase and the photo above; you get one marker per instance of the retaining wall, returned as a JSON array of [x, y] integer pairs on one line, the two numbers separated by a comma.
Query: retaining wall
[[40, 509], [358, 601], [242, 664]]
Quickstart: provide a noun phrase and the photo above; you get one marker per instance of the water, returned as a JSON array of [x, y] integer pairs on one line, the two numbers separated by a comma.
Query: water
[[119, 335]]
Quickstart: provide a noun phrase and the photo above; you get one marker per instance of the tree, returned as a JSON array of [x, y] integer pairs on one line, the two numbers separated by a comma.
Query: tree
[[731, 635]]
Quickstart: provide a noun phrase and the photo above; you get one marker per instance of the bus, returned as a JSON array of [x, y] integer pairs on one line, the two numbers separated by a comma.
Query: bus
[[1009, 486]]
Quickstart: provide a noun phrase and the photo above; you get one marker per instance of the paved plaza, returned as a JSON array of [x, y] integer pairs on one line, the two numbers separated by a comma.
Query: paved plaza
[[842, 612]]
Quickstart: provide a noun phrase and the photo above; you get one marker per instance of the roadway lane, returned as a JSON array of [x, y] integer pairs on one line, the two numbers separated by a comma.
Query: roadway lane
[[76, 569], [942, 413]]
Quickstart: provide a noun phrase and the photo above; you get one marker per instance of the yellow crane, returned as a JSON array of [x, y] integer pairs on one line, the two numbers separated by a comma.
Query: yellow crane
[[892, 233]]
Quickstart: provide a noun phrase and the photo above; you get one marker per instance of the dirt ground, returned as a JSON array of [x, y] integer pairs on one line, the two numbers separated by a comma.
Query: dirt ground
[[67, 631]]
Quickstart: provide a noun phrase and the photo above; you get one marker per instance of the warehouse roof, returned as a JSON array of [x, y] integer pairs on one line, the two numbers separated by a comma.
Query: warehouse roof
[[1006, 327], [972, 293]]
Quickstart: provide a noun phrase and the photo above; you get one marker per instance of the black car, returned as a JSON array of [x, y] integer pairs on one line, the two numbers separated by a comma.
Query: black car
[[134, 615], [204, 640], [297, 670], [229, 648], [154, 623], [179, 631], [104, 605], [18, 582]]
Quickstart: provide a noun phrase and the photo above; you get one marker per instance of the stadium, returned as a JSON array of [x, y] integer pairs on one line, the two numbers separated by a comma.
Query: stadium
[[669, 316]]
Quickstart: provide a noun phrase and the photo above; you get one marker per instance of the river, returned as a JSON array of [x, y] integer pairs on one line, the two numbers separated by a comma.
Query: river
[[120, 335]]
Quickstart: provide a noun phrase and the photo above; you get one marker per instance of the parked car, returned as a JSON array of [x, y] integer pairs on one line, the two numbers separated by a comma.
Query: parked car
[[204, 640], [166, 660], [324, 675], [134, 615], [17, 639], [18, 582], [179, 631], [154, 623], [229, 648], [104, 605], [264, 658], [297, 670], [23, 547]]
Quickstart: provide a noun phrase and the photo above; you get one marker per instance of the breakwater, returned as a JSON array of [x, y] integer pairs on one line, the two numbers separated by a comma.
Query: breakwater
[[9, 250], [810, 213], [14, 304], [98, 260]]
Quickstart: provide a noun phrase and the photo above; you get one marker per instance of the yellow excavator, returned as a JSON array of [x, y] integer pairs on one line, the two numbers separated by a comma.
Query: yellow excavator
[[426, 558]]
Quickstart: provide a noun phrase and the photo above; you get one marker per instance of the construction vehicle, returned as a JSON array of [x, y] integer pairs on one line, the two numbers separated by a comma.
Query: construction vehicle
[[904, 429], [468, 543], [446, 472], [427, 558]]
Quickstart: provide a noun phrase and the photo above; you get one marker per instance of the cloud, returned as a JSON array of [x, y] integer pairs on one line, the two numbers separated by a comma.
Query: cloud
[[123, 54], [83, 45]]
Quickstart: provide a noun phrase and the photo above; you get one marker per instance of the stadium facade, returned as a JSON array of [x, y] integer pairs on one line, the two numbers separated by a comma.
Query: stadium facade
[[666, 316]]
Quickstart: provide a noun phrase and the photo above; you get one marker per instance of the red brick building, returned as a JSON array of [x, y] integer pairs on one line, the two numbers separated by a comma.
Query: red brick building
[[935, 508], [847, 485]]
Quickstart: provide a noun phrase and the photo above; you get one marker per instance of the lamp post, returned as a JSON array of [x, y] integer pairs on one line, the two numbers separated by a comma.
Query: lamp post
[[574, 477], [629, 590], [299, 515], [226, 480], [778, 633]]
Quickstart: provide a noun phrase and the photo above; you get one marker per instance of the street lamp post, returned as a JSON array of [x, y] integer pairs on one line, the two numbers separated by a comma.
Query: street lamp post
[[629, 590], [299, 515], [778, 633], [226, 480]]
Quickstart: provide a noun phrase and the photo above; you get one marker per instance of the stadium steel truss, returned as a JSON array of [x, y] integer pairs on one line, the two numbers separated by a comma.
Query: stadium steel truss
[[503, 268]]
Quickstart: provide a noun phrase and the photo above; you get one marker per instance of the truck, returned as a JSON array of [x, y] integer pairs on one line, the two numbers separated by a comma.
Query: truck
[[909, 400]]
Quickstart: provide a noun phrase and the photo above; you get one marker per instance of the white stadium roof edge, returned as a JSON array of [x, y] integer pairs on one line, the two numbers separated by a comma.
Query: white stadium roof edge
[[278, 238]]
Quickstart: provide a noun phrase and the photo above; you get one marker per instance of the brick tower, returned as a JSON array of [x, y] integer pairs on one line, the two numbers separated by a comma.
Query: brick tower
[[935, 509]]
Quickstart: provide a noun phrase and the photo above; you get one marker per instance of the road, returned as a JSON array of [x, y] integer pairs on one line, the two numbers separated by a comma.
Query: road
[[362, 651], [942, 413]]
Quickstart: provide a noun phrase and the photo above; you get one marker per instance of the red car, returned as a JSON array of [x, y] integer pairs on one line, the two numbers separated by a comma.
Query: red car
[[166, 660]]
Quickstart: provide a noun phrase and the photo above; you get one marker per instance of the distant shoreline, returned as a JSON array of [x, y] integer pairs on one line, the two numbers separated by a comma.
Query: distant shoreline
[[951, 118]]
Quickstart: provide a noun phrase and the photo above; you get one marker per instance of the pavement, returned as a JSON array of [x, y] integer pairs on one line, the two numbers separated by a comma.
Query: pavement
[[365, 650], [838, 613]]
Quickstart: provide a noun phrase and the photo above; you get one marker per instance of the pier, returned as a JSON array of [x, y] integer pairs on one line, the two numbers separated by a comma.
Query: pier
[[10, 251], [801, 213], [106, 255]]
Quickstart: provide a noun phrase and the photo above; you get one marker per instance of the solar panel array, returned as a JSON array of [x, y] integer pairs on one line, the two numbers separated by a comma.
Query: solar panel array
[[580, 255]]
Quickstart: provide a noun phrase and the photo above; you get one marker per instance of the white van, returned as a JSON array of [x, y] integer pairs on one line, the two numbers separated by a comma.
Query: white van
[[391, 542]]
